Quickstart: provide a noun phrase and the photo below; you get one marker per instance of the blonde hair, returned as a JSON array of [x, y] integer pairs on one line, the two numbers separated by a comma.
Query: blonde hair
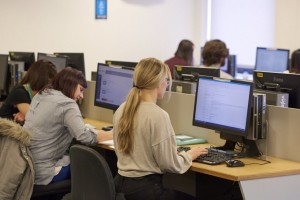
[[148, 74]]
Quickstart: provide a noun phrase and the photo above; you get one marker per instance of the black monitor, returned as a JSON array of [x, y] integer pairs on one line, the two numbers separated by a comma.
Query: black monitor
[[112, 86], [75, 60], [27, 57], [191, 73], [3, 74], [280, 82], [272, 60], [224, 106], [59, 61], [121, 63]]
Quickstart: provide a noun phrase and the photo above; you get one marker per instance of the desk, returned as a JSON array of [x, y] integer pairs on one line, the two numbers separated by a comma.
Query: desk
[[279, 179]]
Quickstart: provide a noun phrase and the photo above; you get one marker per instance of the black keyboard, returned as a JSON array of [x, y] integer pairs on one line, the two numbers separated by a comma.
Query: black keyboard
[[214, 157]]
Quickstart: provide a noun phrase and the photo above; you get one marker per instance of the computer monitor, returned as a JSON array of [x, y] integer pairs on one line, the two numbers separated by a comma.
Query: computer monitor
[[3, 74], [59, 61], [75, 60], [121, 63], [27, 57], [112, 86], [280, 82], [272, 60], [224, 106], [191, 73]]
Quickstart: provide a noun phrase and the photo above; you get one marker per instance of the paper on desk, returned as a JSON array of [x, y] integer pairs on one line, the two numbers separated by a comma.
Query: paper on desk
[[182, 137], [107, 142]]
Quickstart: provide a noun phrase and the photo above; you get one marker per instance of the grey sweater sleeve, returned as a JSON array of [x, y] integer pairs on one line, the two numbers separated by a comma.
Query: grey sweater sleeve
[[75, 124]]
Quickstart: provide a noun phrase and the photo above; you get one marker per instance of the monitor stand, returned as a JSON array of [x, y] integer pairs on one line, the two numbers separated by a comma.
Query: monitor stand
[[250, 148]]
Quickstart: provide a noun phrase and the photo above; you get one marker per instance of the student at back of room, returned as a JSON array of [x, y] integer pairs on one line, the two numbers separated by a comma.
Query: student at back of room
[[214, 54], [183, 55], [295, 62]]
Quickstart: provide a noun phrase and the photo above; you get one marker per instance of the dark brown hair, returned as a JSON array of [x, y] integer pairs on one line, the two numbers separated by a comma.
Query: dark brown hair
[[295, 62], [213, 52], [67, 80], [39, 74], [185, 51]]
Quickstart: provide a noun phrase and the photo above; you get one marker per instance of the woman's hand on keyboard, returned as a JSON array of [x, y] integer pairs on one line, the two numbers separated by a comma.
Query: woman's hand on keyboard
[[196, 152]]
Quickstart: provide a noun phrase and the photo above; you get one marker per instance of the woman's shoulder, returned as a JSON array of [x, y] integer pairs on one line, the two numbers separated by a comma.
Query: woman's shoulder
[[153, 110]]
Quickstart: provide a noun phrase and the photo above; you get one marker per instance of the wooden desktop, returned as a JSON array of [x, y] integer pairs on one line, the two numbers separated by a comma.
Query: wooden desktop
[[278, 179], [272, 176]]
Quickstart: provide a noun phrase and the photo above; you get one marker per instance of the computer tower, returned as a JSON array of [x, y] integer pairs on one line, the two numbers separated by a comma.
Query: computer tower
[[93, 76], [275, 98], [232, 65], [14, 75], [257, 126]]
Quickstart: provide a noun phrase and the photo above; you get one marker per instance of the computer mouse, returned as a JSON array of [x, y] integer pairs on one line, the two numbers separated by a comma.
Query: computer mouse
[[234, 163]]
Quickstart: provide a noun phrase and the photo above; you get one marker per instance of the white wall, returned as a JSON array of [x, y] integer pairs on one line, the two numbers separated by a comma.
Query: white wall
[[134, 28], [243, 26], [287, 26]]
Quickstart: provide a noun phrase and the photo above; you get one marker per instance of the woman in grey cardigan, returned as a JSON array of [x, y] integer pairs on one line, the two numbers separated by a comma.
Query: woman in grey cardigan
[[54, 119]]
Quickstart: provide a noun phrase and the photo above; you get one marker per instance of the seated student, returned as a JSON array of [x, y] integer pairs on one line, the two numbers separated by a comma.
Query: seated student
[[183, 55], [295, 62], [214, 54], [54, 119], [144, 138], [17, 103]]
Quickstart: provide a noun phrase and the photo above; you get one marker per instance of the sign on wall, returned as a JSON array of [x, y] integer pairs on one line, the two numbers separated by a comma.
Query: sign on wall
[[101, 9]]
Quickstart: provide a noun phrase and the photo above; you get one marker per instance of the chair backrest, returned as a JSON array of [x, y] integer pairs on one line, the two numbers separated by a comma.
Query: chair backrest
[[90, 175]]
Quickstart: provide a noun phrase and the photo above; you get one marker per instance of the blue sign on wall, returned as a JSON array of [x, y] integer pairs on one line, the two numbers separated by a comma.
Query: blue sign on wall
[[101, 9]]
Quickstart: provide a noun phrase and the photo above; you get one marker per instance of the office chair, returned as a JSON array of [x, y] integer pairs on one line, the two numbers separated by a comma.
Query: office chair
[[90, 175]]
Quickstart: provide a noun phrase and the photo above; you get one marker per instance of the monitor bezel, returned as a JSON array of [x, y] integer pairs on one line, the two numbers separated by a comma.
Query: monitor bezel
[[70, 55], [30, 58], [213, 71], [220, 128], [271, 49], [260, 80], [123, 64], [102, 104], [52, 56], [4, 79]]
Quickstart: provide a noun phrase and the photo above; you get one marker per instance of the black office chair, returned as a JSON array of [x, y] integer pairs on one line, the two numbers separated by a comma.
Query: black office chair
[[91, 176], [52, 191]]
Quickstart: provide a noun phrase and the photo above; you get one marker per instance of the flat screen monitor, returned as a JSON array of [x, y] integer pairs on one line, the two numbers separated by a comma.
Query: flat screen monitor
[[3, 73], [75, 60], [112, 86], [59, 61], [280, 82], [223, 105], [191, 73], [272, 60], [27, 57], [121, 63], [226, 106]]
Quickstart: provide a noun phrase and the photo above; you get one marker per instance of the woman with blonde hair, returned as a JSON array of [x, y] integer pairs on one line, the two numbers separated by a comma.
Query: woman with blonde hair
[[144, 137]]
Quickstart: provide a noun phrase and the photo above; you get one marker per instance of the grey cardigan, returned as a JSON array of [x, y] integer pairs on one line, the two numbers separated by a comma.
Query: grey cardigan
[[53, 120]]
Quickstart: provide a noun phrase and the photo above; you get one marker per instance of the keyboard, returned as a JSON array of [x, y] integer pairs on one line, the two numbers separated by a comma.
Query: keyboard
[[107, 128], [214, 157]]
